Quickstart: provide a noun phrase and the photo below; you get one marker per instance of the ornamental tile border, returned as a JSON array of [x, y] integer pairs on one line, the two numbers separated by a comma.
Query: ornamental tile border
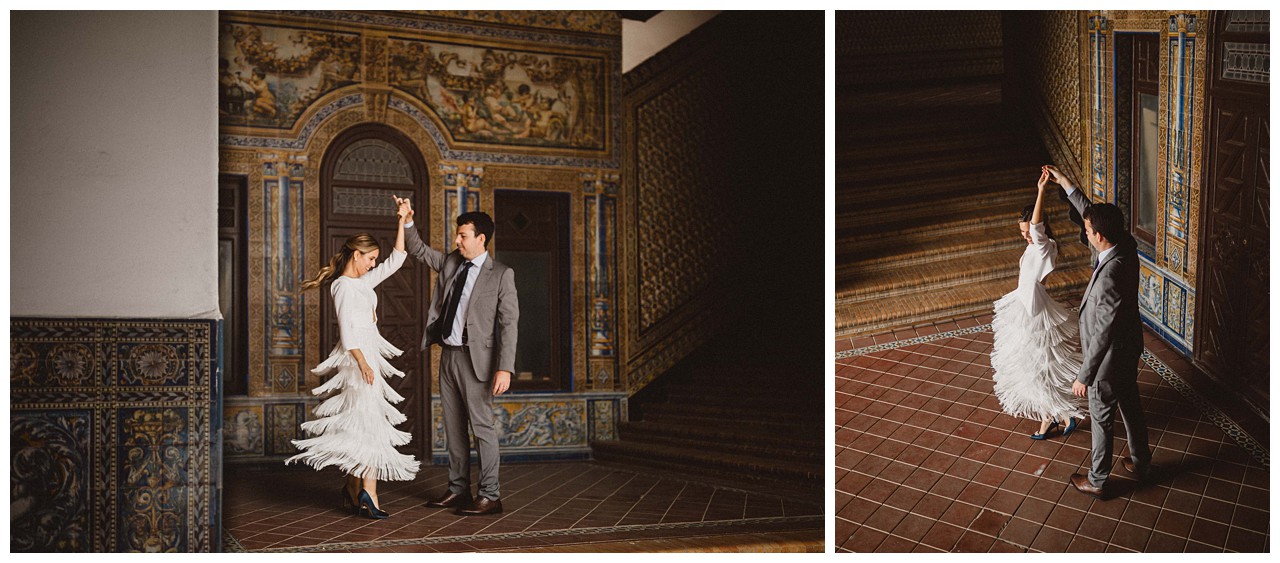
[[410, 23], [300, 142], [421, 118], [1229, 427], [234, 546]]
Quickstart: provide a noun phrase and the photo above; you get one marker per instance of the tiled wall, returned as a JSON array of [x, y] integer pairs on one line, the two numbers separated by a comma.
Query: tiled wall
[[1077, 112], [420, 74], [115, 434], [877, 47]]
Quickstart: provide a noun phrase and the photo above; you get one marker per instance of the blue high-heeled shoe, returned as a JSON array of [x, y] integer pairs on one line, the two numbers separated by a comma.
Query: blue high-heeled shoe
[[1052, 425], [367, 508], [1070, 427]]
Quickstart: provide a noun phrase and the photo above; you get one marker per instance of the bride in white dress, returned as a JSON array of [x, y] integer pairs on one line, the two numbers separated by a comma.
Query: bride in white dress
[[1036, 351], [356, 426]]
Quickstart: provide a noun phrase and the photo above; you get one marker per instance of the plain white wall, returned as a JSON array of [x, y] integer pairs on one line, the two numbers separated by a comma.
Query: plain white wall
[[114, 164], [641, 40]]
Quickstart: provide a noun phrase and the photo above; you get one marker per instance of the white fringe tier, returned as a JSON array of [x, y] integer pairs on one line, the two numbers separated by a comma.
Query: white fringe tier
[[1035, 359], [356, 426]]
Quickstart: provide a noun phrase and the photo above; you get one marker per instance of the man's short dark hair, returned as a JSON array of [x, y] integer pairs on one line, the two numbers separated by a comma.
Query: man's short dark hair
[[1107, 220], [482, 223]]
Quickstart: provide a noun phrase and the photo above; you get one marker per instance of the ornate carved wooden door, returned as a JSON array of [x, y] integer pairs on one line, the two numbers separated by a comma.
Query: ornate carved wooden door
[[1233, 311], [362, 169]]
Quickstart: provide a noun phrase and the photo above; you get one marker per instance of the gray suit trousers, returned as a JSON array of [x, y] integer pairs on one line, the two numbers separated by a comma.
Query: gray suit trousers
[[1104, 401], [464, 397]]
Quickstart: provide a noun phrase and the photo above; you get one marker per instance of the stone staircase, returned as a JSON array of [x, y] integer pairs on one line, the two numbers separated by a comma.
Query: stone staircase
[[747, 424], [930, 178]]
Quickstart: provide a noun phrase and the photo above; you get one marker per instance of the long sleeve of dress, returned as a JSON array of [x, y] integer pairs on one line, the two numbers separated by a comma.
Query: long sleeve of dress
[[1044, 250], [346, 304], [384, 270], [1037, 261]]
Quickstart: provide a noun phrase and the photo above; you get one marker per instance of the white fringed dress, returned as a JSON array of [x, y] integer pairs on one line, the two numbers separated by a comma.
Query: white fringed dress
[[1036, 351], [355, 429]]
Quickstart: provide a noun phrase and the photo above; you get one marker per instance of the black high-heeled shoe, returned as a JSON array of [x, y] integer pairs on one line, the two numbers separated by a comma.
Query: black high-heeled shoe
[[347, 503], [367, 508]]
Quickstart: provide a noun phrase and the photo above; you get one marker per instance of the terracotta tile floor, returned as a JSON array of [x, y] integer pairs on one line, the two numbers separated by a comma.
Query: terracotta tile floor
[[926, 461], [568, 506]]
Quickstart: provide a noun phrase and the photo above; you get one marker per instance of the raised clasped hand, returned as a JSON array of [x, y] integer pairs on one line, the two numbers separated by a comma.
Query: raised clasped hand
[[403, 208]]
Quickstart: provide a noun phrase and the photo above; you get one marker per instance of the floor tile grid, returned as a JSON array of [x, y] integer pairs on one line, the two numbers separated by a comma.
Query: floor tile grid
[[1171, 358], [1160, 397], [908, 337], [553, 498], [638, 536], [964, 346], [1165, 390], [553, 510], [1202, 428], [347, 528], [251, 526], [958, 349]]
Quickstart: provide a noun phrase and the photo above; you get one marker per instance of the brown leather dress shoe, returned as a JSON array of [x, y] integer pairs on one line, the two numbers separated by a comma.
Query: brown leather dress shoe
[[1082, 484], [481, 507], [1128, 465], [450, 500]]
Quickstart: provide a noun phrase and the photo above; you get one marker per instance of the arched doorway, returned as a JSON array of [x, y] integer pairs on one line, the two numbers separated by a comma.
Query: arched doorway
[[360, 171]]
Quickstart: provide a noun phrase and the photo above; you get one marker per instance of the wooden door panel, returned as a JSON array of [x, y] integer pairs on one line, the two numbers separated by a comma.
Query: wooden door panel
[[1233, 317], [351, 204]]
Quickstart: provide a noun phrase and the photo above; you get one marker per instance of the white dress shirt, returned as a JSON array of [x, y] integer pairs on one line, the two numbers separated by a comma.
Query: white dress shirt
[[460, 321]]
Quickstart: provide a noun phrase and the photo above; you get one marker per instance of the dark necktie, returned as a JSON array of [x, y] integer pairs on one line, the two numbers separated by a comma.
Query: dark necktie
[[451, 308]]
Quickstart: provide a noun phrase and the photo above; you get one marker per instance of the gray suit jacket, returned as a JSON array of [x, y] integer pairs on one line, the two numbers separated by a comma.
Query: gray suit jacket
[[492, 313], [1110, 328]]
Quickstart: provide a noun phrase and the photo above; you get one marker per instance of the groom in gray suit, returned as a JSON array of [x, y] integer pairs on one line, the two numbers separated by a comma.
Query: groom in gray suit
[[473, 316], [1111, 341]]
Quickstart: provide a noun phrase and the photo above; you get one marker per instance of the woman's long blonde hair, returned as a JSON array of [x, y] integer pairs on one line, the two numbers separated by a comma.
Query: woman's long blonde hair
[[359, 241]]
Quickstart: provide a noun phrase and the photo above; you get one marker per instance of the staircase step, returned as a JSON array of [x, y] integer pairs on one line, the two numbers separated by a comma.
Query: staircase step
[[715, 414], [710, 463], [966, 233], [940, 163], [960, 207], [852, 195], [727, 434], [747, 445], [905, 277], [746, 423], [744, 397], [872, 150], [948, 302]]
